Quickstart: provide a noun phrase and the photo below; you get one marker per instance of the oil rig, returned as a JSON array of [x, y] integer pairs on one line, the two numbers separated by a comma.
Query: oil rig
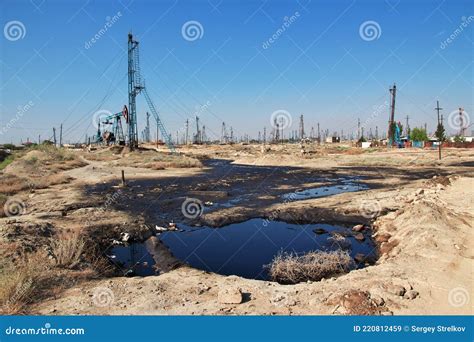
[[136, 85]]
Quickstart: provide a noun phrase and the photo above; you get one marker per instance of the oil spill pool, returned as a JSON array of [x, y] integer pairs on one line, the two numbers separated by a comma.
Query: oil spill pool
[[244, 248], [323, 191]]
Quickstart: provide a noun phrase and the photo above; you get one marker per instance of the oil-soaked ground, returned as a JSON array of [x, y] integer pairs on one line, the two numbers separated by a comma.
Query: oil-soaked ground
[[222, 184], [244, 249]]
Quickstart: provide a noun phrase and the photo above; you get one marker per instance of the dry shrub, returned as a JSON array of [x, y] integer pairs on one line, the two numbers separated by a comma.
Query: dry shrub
[[67, 249], [290, 268], [11, 184], [21, 282]]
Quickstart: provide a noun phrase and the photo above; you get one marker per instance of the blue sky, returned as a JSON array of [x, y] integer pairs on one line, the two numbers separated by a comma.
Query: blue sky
[[321, 66]]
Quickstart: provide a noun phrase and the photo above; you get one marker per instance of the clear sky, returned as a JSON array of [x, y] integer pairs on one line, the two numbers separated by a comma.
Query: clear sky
[[322, 63]]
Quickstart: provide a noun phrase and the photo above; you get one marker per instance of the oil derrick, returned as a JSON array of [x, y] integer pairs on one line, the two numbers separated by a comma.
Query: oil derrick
[[197, 137], [319, 135], [301, 127], [311, 135], [135, 87], [231, 135], [276, 135], [264, 135], [187, 132], [391, 121], [223, 134], [203, 134]]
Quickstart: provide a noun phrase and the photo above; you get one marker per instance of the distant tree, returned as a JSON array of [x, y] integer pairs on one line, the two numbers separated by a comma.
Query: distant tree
[[440, 132], [418, 134], [459, 139]]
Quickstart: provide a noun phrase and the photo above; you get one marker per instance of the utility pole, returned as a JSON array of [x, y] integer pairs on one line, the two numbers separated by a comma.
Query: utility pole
[[376, 132], [391, 121], [157, 129], [407, 129], [147, 129], [61, 135], [440, 124], [264, 135], [462, 129], [231, 135], [39, 139], [358, 129], [54, 135]]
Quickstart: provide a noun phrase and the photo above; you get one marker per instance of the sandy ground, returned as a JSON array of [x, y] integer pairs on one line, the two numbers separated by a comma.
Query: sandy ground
[[423, 216]]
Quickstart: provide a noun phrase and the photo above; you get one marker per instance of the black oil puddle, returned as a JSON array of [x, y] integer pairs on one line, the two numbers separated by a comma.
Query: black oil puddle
[[243, 249]]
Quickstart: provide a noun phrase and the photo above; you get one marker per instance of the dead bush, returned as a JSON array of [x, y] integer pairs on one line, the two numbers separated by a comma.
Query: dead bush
[[11, 184], [67, 249], [290, 268], [20, 282]]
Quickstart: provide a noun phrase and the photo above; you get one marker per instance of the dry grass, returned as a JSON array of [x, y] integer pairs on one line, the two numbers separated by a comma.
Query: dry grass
[[11, 184], [20, 282], [288, 268], [68, 249]]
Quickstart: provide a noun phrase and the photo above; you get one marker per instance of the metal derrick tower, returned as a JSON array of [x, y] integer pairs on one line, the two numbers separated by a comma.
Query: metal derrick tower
[[135, 86]]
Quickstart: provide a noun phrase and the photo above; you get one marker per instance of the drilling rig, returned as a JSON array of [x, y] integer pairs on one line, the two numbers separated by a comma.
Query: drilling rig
[[136, 85]]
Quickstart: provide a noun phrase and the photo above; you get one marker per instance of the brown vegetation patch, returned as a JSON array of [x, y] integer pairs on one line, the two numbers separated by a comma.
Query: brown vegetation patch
[[288, 268]]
